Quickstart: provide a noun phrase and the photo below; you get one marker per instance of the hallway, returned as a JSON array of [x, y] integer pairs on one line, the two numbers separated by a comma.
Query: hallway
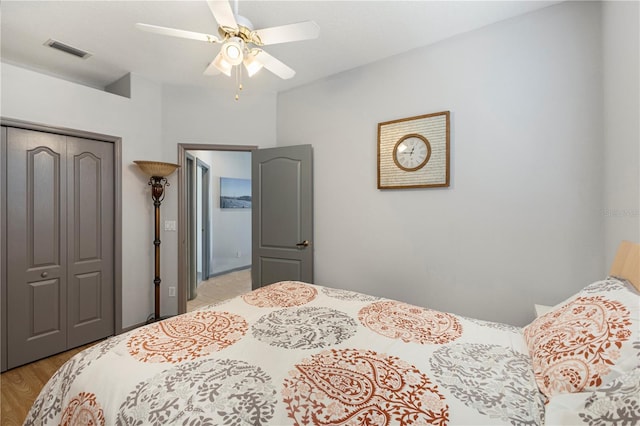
[[220, 288]]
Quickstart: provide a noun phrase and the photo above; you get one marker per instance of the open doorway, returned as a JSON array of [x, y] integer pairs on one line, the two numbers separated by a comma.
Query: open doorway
[[198, 221], [215, 240]]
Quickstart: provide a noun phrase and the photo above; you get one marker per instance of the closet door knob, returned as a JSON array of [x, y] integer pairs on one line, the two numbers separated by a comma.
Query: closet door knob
[[45, 274]]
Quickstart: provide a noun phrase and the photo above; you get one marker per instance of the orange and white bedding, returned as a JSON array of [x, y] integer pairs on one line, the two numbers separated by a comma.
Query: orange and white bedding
[[298, 354]]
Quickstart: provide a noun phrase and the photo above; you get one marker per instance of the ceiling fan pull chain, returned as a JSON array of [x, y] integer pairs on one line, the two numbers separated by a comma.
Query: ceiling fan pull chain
[[238, 81]]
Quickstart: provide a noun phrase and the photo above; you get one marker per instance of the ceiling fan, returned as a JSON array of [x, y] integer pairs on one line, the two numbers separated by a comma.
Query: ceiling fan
[[241, 44]]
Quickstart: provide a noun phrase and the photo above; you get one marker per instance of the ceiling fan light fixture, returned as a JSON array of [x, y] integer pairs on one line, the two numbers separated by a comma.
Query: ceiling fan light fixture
[[222, 65], [252, 65], [233, 50]]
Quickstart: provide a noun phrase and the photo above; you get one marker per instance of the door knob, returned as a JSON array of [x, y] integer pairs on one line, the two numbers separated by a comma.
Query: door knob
[[303, 244], [45, 274]]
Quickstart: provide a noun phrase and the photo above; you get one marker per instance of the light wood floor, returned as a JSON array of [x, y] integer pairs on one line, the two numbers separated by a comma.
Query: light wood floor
[[21, 385], [221, 288]]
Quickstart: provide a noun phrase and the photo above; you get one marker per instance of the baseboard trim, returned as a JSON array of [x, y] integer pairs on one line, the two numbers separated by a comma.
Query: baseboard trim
[[228, 271], [132, 327]]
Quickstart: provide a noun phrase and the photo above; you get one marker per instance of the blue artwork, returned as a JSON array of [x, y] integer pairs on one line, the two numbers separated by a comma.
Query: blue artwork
[[235, 193]]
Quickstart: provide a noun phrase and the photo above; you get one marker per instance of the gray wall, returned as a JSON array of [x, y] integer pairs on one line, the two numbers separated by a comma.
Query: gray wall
[[621, 205], [521, 222]]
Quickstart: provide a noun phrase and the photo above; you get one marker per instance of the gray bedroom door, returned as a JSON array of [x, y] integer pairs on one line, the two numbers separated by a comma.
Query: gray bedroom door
[[60, 283], [282, 214]]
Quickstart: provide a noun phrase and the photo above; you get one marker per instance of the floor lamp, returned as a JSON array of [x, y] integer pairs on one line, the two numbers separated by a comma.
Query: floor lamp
[[158, 172]]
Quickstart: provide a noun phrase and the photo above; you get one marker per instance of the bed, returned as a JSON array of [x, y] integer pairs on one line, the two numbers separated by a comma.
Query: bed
[[294, 353]]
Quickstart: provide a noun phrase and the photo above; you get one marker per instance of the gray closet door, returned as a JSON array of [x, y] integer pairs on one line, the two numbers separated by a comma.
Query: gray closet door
[[90, 240], [60, 283], [37, 245]]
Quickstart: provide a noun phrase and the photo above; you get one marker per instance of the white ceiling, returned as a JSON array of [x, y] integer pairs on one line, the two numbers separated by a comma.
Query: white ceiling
[[352, 33]]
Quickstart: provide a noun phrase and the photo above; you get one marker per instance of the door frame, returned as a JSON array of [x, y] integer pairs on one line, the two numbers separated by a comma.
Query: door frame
[[182, 210], [205, 209], [117, 205], [190, 222]]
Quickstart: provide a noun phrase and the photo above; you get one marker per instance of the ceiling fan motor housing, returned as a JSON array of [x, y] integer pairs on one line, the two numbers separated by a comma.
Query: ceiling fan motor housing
[[244, 31]]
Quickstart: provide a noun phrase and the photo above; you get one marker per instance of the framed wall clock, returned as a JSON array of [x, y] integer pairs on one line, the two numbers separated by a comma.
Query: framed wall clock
[[414, 152]]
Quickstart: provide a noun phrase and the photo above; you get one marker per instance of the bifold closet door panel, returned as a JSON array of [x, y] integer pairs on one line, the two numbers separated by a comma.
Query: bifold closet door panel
[[36, 245], [60, 243], [90, 233]]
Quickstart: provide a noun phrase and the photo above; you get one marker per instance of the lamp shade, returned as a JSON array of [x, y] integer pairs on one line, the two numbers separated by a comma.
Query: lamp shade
[[156, 168], [252, 64], [222, 65]]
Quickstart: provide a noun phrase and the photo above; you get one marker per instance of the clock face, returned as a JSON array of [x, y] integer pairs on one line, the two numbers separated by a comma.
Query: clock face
[[412, 152]]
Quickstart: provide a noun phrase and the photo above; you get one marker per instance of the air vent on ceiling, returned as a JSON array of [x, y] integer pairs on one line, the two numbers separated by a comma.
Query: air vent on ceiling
[[67, 49]]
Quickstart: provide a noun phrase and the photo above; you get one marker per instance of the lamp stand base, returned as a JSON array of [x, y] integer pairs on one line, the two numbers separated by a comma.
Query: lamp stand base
[[152, 318]]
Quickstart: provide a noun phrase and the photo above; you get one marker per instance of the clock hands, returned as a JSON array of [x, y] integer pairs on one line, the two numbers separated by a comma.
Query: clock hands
[[411, 152]]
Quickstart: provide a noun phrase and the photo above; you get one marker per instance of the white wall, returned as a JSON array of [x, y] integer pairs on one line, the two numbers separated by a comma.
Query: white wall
[[151, 124], [621, 45], [194, 115], [230, 228], [521, 222]]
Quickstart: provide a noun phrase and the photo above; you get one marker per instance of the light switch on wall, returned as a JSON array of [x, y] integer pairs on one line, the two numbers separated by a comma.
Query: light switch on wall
[[169, 225]]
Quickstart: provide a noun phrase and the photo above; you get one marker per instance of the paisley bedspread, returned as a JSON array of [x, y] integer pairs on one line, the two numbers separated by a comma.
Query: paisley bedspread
[[298, 354]]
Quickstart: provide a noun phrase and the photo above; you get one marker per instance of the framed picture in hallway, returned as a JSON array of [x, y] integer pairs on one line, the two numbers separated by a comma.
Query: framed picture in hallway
[[235, 193]]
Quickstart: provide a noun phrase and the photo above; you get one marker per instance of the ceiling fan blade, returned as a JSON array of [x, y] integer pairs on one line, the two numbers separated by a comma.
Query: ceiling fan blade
[[178, 33], [222, 13], [274, 65], [286, 33]]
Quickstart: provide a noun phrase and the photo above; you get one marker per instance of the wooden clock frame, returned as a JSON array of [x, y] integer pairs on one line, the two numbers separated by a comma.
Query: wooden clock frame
[[434, 171]]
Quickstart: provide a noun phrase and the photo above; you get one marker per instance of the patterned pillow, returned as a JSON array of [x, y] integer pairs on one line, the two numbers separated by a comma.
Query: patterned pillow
[[587, 340]]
